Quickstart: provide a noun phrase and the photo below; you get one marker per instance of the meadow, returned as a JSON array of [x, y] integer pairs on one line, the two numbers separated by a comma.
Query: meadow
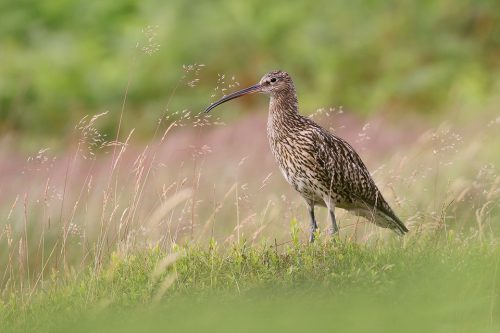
[[124, 208]]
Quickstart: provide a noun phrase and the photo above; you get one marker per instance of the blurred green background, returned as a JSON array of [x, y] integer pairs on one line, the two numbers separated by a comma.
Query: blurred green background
[[61, 60]]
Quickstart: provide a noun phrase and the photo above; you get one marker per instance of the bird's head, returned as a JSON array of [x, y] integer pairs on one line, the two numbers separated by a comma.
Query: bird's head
[[272, 83], [275, 82]]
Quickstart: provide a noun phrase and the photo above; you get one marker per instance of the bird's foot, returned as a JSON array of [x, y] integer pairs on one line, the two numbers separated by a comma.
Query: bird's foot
[[313, 235], [334, 235]]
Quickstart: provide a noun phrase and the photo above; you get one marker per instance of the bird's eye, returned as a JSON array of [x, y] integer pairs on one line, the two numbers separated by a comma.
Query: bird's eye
[[273, 80]]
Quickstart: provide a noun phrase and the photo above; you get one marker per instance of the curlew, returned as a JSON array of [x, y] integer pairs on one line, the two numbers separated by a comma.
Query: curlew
[[322, 167]]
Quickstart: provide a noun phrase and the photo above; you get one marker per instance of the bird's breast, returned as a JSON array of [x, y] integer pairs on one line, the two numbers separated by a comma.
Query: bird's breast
[[296, 160]]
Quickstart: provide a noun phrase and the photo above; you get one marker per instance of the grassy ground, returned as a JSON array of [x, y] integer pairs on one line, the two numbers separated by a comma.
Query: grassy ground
[[442, 282]]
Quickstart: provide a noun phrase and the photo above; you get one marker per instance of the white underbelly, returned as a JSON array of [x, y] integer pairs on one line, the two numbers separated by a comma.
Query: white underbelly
[[303, 186]]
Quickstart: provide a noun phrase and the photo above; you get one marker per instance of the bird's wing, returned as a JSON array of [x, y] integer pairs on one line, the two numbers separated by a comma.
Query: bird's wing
[[348, 176], [346, 172]]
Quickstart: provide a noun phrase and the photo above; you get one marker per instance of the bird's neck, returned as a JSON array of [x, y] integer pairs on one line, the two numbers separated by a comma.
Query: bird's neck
[[283, 106], [283, 112]]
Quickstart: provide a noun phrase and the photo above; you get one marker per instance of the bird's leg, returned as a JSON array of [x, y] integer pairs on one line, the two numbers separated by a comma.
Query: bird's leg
[[335, 230], [331, 209], [314, 226]]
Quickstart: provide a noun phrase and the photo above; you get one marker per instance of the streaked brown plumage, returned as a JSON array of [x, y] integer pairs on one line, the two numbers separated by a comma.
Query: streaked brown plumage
[[322, 167]]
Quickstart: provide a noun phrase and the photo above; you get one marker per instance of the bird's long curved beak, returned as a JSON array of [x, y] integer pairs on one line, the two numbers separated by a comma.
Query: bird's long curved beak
[[250, 90]]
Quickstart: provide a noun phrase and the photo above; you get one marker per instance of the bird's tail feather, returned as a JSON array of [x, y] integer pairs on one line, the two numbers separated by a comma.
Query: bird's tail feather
[[383, 219], [392, 222]]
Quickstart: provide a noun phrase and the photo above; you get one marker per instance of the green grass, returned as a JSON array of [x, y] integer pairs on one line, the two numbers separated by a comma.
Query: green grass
[[441, 282]]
